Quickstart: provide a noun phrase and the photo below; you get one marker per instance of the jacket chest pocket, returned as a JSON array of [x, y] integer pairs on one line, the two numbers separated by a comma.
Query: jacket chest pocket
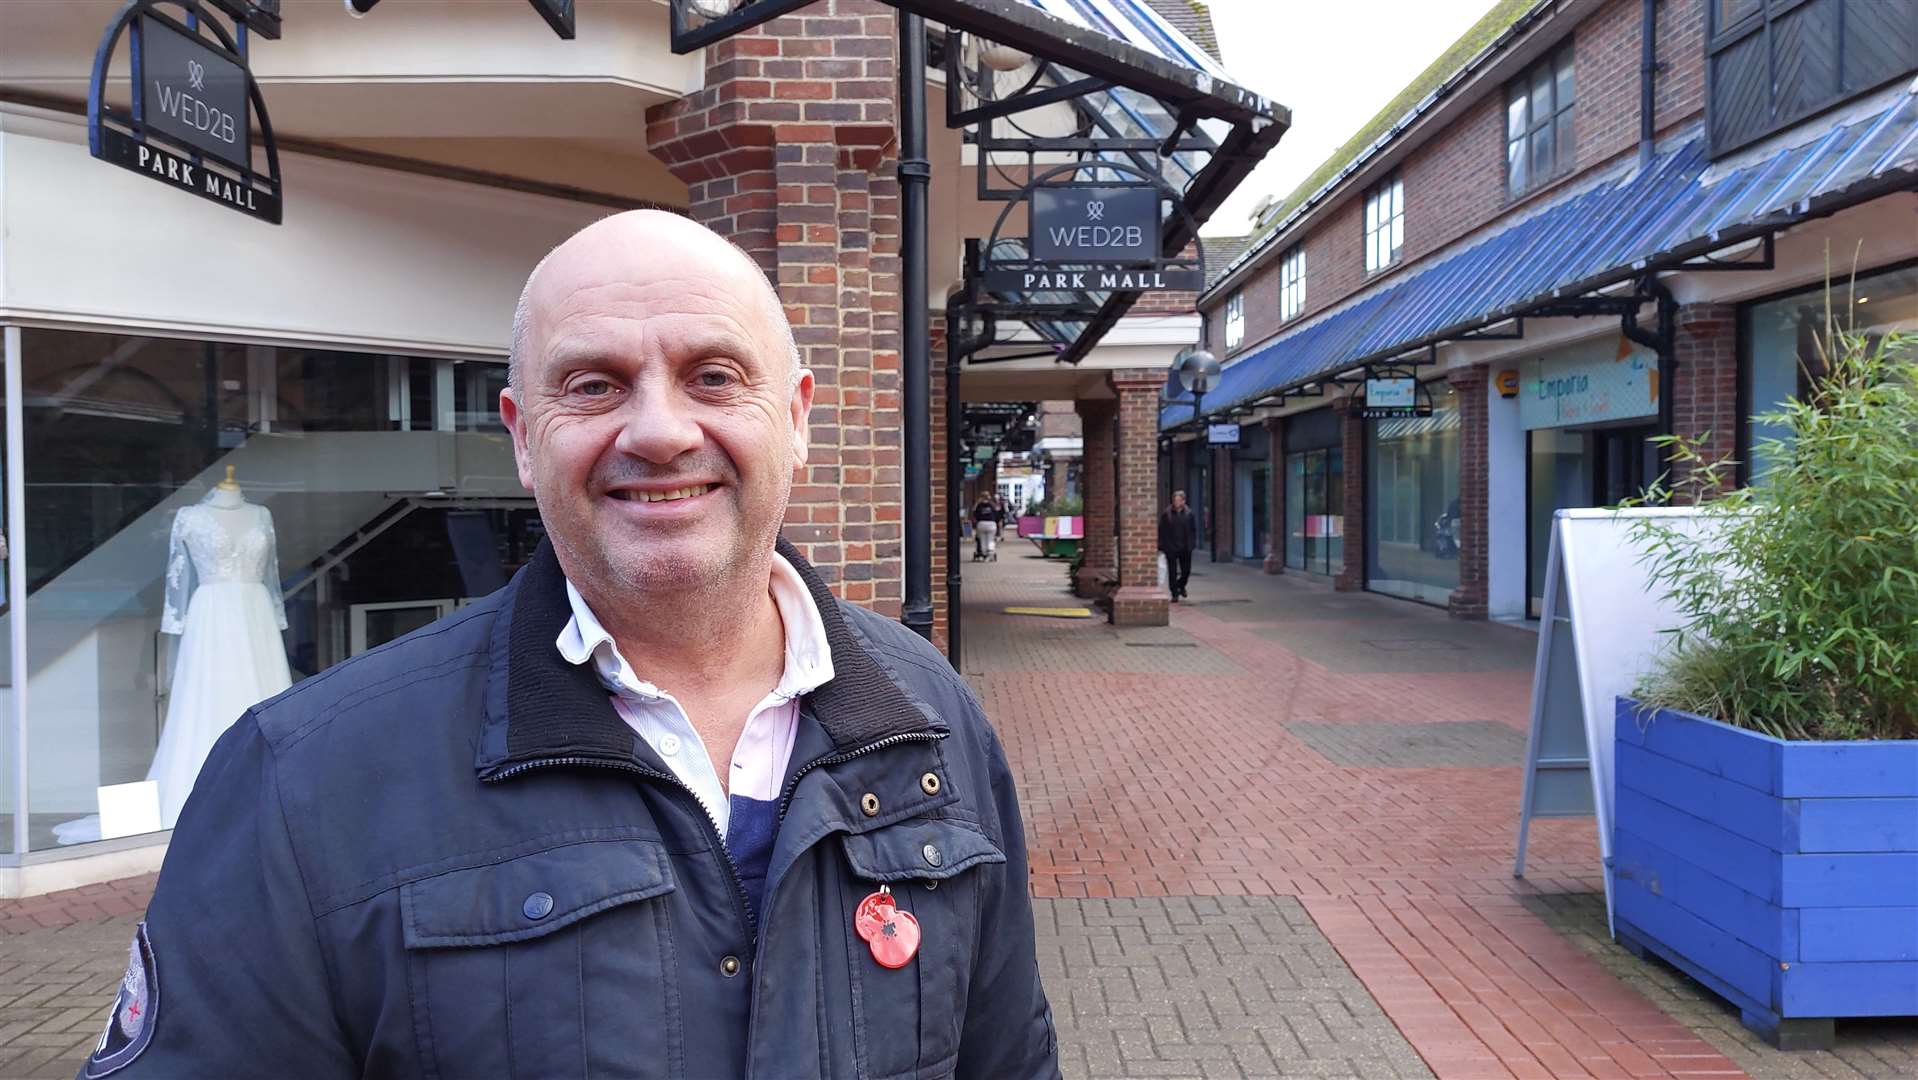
[[906, 1021], [552, 964]]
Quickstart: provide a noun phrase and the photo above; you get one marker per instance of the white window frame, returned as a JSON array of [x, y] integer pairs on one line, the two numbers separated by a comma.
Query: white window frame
[[1524, 126], [1292, 284], [1384, 224], [1235, 320]]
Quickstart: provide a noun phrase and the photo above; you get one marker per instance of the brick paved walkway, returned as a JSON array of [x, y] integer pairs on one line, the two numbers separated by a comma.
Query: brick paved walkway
[[1272, 839], [1361, 756]]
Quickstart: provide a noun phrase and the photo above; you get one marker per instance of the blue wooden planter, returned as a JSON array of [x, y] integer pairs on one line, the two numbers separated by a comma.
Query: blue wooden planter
[[1782, 875]]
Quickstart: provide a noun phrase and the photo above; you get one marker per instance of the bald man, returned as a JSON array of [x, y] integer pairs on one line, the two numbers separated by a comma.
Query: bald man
[[661, 807]]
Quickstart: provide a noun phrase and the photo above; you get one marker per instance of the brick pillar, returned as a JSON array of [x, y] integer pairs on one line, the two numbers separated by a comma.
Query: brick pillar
[[1275, 496], [1470, 599], [1221, 509], [1096, 417], [787, 151], [1139, 600], [1351, 576], [941, 496], [1705, 399]]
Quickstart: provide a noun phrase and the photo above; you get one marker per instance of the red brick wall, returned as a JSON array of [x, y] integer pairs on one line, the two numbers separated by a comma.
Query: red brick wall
[[787, 151], [1219, 519], [1705, 397], [1139, 600], [1455, 182], [1470, 599], [1096, 418], [942, 495], [1351, 578]]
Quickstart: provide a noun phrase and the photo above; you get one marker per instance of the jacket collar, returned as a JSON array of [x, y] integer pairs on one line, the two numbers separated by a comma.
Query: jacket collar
[[539, 706]]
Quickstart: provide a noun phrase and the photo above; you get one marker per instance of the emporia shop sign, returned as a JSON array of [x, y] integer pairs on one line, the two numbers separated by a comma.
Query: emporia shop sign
[[193, 101]]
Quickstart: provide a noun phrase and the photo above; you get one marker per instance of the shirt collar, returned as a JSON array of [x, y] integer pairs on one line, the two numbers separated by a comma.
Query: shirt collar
[[808, 652]]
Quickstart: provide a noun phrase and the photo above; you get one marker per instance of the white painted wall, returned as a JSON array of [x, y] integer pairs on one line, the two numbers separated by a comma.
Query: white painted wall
[[367, 258]]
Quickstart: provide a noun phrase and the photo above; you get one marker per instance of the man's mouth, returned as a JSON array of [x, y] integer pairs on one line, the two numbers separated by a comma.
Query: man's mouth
[[676, 494]]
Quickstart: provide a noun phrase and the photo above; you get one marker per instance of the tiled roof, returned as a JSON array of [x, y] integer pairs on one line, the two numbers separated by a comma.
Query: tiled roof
[[1219, 253], [1194, 20]]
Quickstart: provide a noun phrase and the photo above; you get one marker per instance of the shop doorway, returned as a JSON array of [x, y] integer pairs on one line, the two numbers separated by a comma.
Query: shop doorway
[[1569, 468], [1252, 536], [1315, 511]]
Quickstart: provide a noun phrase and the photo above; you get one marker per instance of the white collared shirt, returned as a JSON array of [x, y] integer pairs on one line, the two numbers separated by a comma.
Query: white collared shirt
[[758, 767]]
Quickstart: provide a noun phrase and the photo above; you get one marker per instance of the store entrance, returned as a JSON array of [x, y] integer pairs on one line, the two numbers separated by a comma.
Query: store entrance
[[1569, 468]]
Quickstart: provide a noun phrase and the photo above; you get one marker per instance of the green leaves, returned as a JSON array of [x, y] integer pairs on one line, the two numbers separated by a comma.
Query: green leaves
[[1801, 607]]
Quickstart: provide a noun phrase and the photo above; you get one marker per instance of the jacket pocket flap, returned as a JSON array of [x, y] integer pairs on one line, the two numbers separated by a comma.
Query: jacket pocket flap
[[532, 895], [919, 849]]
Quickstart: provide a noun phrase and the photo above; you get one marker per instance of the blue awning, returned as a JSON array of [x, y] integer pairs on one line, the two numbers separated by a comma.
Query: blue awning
[[1674, 209]]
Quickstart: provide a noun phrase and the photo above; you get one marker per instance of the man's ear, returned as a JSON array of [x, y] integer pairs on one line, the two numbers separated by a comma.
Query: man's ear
[[515, 419], [802, 417]]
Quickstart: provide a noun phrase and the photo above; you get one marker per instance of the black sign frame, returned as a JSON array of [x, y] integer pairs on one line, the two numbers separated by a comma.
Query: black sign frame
[[126, 138], [1422, 405], [1031, 275]]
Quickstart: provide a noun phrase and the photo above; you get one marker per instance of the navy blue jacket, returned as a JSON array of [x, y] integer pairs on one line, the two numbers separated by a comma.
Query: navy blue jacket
[[450, 858]]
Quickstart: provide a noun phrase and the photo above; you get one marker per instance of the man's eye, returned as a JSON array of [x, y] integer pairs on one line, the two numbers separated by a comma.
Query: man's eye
[[593, 388], [715, 378]]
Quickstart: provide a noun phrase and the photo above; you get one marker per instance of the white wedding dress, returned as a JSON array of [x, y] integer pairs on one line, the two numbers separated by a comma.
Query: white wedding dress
[[223, 599]]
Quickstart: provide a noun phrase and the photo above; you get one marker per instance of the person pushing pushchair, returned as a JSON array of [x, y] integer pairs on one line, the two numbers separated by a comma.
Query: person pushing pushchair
[[987, 516]]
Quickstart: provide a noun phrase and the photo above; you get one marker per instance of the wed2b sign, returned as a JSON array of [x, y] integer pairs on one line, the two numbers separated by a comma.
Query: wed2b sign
[[193, 128], [1094, 239]]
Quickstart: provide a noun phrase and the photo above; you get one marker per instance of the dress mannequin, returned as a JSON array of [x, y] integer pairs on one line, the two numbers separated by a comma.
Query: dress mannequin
[[223, 599]]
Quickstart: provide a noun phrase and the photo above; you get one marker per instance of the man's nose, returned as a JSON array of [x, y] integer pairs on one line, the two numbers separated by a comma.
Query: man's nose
[[658, 425]]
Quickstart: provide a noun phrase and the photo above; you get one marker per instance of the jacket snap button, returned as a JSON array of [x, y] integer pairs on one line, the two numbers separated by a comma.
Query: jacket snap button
[[537, 906], [931, 852], [729, 967], [929, 783], [869, 803]]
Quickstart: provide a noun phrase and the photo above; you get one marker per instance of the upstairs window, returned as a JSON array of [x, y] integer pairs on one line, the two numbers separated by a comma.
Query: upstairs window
[[1292, 283], [1384, 224], [1234, 320], [1538, 123], [1774, 63]]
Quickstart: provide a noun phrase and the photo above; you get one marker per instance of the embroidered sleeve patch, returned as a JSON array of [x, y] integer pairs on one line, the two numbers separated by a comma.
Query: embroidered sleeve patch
[[135, 1008]]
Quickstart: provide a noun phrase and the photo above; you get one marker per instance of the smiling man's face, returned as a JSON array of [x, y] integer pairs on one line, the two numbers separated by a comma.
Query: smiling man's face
[[658, 415]]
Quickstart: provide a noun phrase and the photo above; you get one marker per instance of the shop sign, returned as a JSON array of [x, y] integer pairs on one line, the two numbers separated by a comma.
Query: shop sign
[[1393, 397], [1095, 224], [1592, 383], [194, 94], [1088, 239], [196, 100], [1112, 280], [1222, 434]]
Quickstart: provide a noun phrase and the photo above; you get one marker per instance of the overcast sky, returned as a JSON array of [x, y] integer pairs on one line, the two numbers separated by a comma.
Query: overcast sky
[[1333, 63]]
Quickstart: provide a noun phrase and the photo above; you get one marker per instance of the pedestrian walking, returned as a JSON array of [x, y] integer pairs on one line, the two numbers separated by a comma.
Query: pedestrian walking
[[987, 516], [1178, 537], [660, 807]]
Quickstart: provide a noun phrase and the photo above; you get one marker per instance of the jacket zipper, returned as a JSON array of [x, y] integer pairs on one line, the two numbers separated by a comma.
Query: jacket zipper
[[742, 902], [785, 800]]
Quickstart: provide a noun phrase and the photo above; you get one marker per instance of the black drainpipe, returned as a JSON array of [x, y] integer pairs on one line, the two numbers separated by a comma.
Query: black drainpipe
[[1647, 79], [1662, 340]]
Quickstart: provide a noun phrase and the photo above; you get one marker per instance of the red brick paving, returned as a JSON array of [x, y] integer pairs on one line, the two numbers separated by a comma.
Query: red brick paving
[[1167, 784], [1175, 784], [88, 903]]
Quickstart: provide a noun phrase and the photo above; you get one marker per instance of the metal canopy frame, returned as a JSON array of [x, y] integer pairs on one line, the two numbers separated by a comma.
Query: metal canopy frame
[[1080, 62], [1135, 113]]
